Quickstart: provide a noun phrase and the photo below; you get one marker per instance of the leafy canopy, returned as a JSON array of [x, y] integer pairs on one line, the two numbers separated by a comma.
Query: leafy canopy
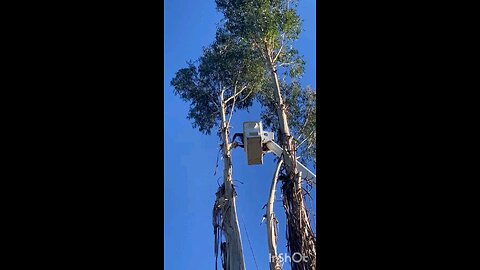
[[227, 66], [301, 112], [270, 26]]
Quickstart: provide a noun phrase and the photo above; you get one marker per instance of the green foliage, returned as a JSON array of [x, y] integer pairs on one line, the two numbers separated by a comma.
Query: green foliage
[[270, 26], [203, 107], [227, 65], [304, 122], [258, 19], [301, 112], [293, 63]]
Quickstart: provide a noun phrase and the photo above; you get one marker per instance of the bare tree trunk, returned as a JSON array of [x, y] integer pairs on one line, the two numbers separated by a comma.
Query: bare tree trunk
[[300, 237], [272, 223], [232, 248], [282, 114]]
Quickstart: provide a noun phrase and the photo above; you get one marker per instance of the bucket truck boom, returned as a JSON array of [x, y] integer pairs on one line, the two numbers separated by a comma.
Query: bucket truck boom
[[256, 141]]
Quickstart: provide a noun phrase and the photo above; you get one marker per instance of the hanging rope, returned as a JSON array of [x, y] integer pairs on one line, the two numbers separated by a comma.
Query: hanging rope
[[216, 166], [248, 238]]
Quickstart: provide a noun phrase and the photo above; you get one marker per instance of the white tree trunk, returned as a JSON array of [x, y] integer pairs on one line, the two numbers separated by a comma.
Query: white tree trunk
[[233, 247], [272, 223], [282, 115], [300, 236]]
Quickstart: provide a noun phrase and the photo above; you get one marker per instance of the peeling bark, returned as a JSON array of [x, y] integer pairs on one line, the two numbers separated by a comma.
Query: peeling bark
[[300, 237], [225, 215]]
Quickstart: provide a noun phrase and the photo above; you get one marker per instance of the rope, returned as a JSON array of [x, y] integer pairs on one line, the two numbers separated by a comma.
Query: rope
[[248, 238], [216, 166]]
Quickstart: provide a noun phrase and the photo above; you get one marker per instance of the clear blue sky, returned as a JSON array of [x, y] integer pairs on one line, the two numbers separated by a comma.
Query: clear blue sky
[[190, 156]]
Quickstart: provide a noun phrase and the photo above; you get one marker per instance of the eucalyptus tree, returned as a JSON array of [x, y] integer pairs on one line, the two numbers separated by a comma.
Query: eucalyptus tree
[[270, 27], [222, 81], [301, 110], [304, 123], [300, 104]]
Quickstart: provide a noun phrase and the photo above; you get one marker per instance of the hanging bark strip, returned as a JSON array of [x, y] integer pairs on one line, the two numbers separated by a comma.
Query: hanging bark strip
[[299, 234]]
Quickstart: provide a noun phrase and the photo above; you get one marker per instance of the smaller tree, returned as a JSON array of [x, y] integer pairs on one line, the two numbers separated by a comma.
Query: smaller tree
[[224, 81]]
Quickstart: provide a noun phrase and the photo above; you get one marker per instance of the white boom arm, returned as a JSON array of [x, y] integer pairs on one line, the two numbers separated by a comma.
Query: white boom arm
[[254, 140], [277, 150]]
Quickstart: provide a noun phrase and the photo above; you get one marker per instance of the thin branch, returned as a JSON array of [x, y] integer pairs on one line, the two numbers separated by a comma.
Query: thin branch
[[235, 95], [285, 64], [233, 103], [279, 50], [278, 53], [263, 55], [311, 133], [231, 112], [305, 124], [226, 88], [222, 91], [243, 99], [213, 100], [303, 127], [256, 45], [266, 51], [307, 193], [310, 145]]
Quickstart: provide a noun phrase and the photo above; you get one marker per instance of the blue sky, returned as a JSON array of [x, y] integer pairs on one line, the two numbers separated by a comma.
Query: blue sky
[[190, 156]]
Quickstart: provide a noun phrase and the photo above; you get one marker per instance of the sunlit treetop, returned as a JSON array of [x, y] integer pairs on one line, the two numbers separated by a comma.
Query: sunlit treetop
[[270, 26], [227, 66]]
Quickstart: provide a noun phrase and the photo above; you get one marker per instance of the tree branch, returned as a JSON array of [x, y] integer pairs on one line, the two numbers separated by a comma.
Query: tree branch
[[235, 95], [311, 133], [278, 53], [279, 50], [213, 100], [303, 127], [222, 91], [243, 99], [285, 64], [231, 112]]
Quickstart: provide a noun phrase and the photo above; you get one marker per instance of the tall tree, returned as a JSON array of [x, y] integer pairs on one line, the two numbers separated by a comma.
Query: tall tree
[[222, 82], [270, 27], [301, 112]]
